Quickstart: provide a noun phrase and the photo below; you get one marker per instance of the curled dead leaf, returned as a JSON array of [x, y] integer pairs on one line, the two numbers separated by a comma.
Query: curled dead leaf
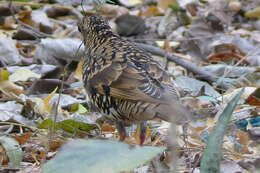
[[254, 98], [10, 87]]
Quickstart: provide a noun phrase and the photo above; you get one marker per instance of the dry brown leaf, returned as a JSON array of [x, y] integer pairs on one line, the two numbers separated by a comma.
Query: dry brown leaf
[[225, 57], [163, 5], [254, 98], [55, 144], [10, 87], [114, 10], [9, 23], [25, 17], [35, 153], [245, 141], [23, 138], [107, 128], [3, 156]]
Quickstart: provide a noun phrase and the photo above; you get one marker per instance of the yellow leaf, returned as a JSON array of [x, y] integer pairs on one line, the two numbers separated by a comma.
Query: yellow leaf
[[82, 109], [4, 75], [255, 13], [23, 74], [151, 12], [79, 71], [74, 107], [47, 100], [79, 108], [39, 106]]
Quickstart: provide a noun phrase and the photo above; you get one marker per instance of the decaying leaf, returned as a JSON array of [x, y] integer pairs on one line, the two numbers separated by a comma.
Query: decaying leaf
[[13, 150], [108, 156], [23, 75]]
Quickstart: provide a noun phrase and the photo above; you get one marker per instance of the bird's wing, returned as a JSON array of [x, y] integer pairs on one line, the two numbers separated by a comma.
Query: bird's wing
[[139, 79]]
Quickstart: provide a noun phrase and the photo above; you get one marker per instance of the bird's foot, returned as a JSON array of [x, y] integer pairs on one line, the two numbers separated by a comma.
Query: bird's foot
[[121, 130], [143, 127]]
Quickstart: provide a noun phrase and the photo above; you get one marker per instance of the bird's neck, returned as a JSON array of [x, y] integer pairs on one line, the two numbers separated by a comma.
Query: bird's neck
[[96, 41]]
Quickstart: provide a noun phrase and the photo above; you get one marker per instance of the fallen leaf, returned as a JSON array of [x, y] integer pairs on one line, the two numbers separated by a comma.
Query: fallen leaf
[[4, 75], [22, 138], [163, 5], [23, 74], [8, 51], [48, 107], [69, 125], [10, 87], [13, 151], [213, 153], [130, 3], [244, 140], [151, 11], [254, 98], [254, 13], [109, 156], [107, 128], [79, 71]]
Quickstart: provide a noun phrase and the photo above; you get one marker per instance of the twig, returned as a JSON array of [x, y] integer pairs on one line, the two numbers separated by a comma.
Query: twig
[[228, 71], [203, 74], [56, 108], [17, 124]]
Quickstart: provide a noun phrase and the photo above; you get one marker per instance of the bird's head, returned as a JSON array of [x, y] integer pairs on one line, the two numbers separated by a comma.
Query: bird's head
[[93, 25]]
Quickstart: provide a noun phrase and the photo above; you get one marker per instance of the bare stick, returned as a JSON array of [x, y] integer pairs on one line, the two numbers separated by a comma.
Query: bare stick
[[203, 74]]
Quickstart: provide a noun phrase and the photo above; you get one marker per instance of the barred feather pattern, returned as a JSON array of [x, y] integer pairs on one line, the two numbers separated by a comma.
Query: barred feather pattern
[[123, 81]]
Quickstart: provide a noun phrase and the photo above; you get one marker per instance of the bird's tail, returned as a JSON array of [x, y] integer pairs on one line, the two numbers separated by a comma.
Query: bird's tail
[[173, 112]]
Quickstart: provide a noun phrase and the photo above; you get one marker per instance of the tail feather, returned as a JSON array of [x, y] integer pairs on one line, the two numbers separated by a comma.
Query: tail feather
[[173, 112]]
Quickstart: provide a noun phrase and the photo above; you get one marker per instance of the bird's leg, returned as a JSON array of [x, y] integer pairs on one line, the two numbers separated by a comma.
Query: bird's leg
[[121, 130], [142, 132]]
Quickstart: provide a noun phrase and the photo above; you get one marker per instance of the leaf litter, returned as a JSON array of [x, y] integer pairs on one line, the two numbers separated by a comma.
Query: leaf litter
[[38, 39]]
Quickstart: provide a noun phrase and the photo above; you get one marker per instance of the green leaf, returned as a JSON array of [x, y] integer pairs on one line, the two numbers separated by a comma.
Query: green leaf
[[69, 125], [82, 109], [79, 108], [73, 126], [102, 156], [13, 151], [48, 123], [213, 153]]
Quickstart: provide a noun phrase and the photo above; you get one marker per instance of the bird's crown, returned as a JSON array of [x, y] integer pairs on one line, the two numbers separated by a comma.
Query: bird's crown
[[93, 24]]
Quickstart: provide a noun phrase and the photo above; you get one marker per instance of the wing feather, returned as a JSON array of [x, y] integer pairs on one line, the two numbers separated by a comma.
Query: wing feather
[[142, 81]]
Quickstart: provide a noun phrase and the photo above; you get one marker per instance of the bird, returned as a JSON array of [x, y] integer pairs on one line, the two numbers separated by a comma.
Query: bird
[[124, 82]]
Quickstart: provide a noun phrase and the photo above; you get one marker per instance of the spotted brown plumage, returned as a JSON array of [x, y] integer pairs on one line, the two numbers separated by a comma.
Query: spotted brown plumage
[[123, 81]]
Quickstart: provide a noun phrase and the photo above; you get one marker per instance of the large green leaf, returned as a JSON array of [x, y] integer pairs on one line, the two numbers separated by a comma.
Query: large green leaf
[[102, 156], [213, 153], [13, 151], [68, 125]]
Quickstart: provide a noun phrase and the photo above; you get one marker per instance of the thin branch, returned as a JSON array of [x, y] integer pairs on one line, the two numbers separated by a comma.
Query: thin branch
[[203, 74]]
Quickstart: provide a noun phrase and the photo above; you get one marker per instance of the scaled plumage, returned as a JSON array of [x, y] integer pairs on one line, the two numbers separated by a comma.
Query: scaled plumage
[[123, 81]]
